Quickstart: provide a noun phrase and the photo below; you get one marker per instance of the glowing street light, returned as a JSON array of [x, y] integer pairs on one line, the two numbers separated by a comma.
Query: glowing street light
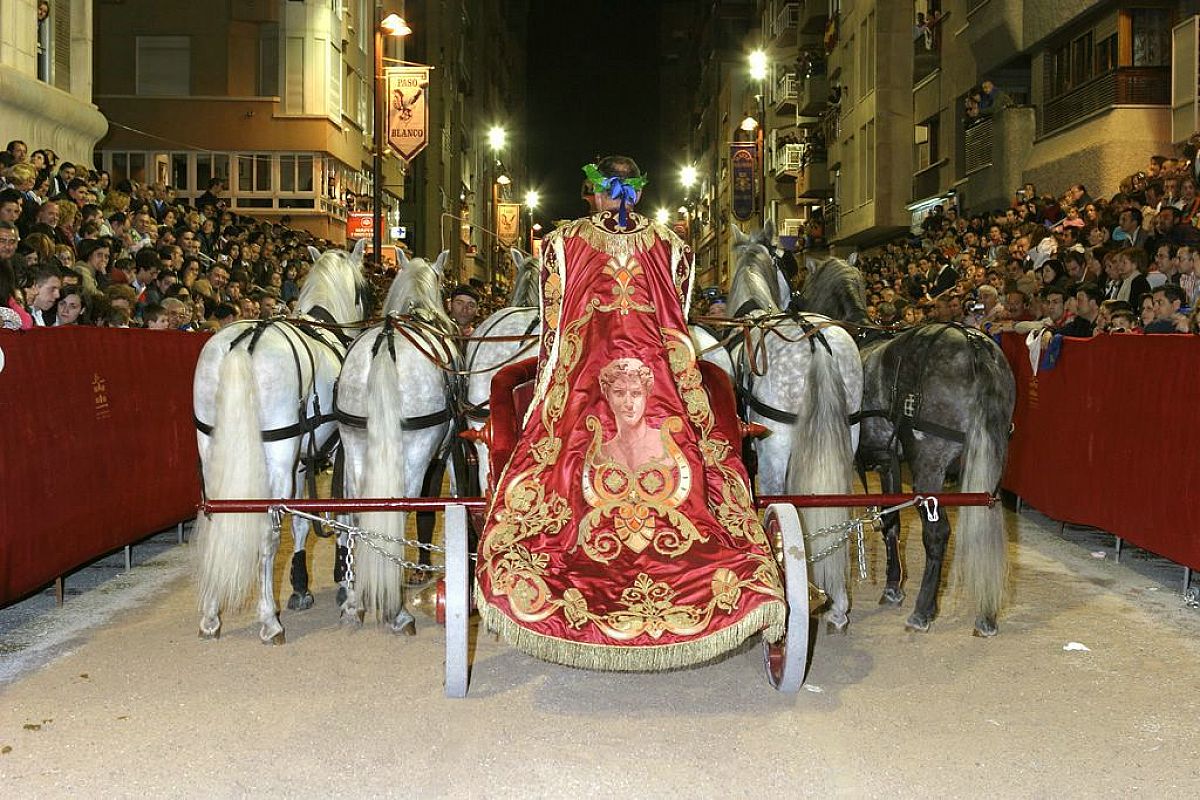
[[503, 179], [391, 25], [496, 136], [749, 123], [394, 25], [662, 216], [758, 65], [531, 199], [688, 176]]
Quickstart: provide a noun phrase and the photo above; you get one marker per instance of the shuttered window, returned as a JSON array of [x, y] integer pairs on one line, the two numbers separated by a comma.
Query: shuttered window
[[60, 45], [164, 66]]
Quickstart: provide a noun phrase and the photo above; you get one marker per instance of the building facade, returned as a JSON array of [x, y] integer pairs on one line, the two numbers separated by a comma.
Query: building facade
[[46, 77]]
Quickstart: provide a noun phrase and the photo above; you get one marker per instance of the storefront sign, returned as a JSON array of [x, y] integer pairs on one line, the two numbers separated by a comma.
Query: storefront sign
[[360, 225], [743, 161], [408, 110]]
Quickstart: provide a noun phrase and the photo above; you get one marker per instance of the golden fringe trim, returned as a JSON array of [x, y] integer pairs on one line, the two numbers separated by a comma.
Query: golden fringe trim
[[770, 618]]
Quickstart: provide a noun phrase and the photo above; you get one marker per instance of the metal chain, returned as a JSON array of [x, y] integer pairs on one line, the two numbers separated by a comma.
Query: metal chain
[[855, 526], [354, 530]]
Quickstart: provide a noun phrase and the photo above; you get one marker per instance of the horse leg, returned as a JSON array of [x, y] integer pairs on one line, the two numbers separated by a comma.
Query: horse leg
[[934, 535], [210, 620], [889, 483], [281, 458], [301, 598]]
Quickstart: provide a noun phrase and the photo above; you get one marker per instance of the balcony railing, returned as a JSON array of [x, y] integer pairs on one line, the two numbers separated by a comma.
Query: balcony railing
[[977, 145], [925, 182], [788, 159], [786, 89], [812, 183], [782, 28], [1139, 86]]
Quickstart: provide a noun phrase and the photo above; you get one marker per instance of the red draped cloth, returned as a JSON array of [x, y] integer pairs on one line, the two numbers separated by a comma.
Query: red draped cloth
[[622, 534]]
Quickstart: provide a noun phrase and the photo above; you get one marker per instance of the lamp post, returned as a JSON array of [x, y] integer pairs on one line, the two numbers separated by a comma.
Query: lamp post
[[531, 200], [496, 136], [391, 25], [759, 67]]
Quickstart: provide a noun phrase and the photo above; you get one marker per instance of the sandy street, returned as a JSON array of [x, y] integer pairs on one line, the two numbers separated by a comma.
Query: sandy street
[[115, 696]]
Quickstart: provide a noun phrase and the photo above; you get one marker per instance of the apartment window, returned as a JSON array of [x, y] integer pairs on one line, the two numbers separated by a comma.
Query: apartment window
[[209, 166], [851, 185], [364, 25], [293, 75], [295, 173], [926, 144], [1081, 59], [868, 53], [164, 66], [1106, 55], [334, 108], [268, 59], [1151, 37], [179, 172], [869, 163]]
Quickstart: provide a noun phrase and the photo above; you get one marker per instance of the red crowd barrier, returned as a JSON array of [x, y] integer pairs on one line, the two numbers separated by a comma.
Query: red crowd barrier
[[97, 448], [1106, 439]]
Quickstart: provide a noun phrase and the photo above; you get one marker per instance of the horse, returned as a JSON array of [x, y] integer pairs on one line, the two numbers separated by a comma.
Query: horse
[[262, 393], [934, 396], [801, 378], [394, 415]]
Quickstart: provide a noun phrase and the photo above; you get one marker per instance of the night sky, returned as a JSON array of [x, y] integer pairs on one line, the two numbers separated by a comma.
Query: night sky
[[592, 90]]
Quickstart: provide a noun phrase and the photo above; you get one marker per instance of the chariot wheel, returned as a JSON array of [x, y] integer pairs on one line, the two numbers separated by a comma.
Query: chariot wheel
[[787, 659], [455, 598]]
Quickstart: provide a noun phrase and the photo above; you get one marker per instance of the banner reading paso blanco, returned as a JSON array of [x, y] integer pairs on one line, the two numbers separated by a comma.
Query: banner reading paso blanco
[[408, 109], [508, 223]]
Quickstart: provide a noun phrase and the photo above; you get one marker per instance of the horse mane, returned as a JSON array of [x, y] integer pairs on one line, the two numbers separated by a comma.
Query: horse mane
[[524, 293], [754, 275], [418, 287], [333, 283], [835, 288]]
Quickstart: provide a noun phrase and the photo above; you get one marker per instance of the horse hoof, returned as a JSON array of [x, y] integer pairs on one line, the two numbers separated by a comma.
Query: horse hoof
[[300, 602], [277, 639], [833, 627], [210, 636], [985, 629], [408, 629], [916, 624], [891, 597], [341, 595]]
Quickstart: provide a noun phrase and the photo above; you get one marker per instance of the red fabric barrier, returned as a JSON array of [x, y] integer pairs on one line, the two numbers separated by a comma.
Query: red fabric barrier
[[1104, 438], [97, 448]]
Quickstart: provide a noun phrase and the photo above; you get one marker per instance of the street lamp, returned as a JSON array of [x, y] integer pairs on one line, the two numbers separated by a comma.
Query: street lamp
[[531, 200], [496, 136], [688, 176], [662, 216], [759, 67], [391, 25]]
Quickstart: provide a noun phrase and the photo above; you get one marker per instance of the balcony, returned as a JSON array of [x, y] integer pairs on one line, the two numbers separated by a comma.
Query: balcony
[[813, 96], [977, 145], [813, 16], [786, 160], [812, 183], [791, 227], [786, 89], [781, 29], [927, 49], [925, 183], [1126, 86]]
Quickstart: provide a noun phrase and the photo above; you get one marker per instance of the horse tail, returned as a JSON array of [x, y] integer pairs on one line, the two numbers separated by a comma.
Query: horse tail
[[229, 544], [981, 565], [379, 580], [821, 462]]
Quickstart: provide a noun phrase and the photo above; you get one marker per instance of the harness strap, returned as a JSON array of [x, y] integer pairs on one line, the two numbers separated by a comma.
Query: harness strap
[[407, 423]]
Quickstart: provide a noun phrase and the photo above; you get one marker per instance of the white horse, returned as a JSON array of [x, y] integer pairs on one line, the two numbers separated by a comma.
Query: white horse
[[512, 333], [263, 391], [394, 416], [802, 381]]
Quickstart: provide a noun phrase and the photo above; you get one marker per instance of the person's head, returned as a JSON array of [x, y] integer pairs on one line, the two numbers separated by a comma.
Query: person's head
[[146, 266], [218, 276], [1132, 260], [1052, 271], [179, 313], [612, 167], [1168, 300], [464, 305], [121, 296], [18, 149], [1148, 311], [9, 237], [70, 306], [1121, 321], [96, 254], [10, 206], [1185, 260], [1164, 220], [625, 384], [189, 242], [48, 214], [1054, 302], [1130, 220], [77, 190], [1016, 303], [1088, 297], [155, 317], [988, 296], [226, 313], [165, 280], [47, 286]]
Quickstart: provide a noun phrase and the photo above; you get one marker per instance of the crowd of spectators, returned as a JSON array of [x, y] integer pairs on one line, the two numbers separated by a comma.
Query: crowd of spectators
[[77, 250], [1074, 264]]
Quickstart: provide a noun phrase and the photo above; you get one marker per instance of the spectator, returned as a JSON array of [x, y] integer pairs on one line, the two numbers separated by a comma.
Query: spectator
[[72, 308], [155, 317], [11, 300], [1129, 230], [464, 307], [45, 290], [1087, 309], [1132, 286], [1170, 316]]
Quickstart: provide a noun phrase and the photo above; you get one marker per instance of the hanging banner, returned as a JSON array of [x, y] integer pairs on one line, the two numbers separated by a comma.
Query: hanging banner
[[407, 109], [743, 161], [508, 223]]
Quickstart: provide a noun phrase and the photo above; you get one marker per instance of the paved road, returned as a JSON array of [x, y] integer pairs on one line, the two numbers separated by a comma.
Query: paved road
[[114, 696]]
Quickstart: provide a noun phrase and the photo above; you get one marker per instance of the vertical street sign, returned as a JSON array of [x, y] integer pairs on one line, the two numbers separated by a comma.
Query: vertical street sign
[[744, 167], [508, 223]]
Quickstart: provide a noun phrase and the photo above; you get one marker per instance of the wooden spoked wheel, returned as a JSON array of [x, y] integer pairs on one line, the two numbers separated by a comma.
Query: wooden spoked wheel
[[787, 659], [454, 601]]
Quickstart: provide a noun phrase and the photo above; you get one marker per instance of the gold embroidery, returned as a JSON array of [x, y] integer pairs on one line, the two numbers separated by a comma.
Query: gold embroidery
[[623, 269]]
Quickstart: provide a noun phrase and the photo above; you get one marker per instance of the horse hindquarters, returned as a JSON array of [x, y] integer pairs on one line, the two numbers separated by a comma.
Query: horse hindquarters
[[235, 466]]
